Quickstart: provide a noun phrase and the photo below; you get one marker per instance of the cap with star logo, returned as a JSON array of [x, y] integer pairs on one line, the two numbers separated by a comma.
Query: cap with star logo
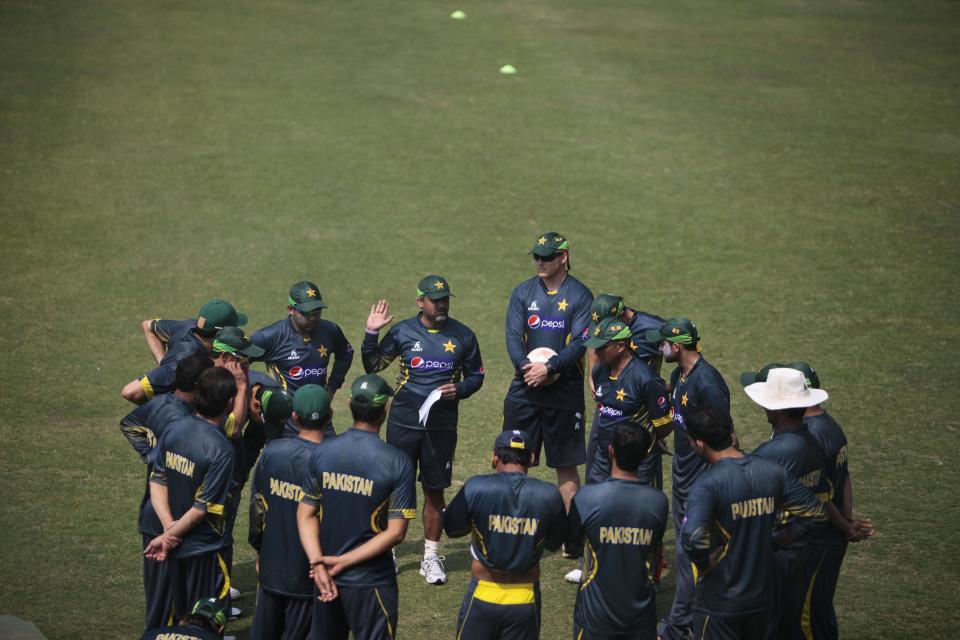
[[217, 314], [311, 402], [232, 340], [677, 330], [433, 287], [305, 297], [548, 244], [606, 306], [608, 330], [370, 390]]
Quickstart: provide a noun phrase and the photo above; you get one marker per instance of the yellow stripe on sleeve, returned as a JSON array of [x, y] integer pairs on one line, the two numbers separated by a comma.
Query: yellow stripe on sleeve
[[147, 387]]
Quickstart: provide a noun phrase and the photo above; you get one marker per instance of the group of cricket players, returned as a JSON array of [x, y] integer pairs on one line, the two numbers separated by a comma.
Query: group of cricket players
[[760, 537]]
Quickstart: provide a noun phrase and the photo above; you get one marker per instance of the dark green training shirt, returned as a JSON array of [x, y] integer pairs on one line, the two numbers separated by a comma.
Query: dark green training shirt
[[429, 358], [622, 523], [555, 319], [637, 396], [649, 352], [833, 443], [183, 343], [734, 506], [143, 427], [704, 388], [295, 361], [512, 518], [275, 497], [799, 453], [195, 462], [357, 482]]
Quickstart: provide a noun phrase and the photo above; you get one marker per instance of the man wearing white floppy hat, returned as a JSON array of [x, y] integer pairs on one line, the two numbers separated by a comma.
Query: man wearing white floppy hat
[[785, 395]]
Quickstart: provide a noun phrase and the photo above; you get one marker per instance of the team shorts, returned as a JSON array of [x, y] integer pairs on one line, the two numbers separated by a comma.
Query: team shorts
[[560, 430], [650, 633], [369, 612], [748, 626], [492, 611], [431, 451], [197, 578], [279, 616]]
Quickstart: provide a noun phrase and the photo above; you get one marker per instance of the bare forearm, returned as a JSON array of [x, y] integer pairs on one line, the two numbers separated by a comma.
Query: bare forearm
[[309, 529], [186, 523], [848, 499], [377, 545], [155, 344], [158, 498]]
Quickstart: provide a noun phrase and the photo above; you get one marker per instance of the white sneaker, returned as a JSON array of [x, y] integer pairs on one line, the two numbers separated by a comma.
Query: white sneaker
[[432, 570], [396, 565], [574, 576], [235, 593], [234, 613]]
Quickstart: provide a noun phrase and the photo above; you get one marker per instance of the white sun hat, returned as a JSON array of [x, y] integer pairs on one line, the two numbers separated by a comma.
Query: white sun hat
[[784, 389]]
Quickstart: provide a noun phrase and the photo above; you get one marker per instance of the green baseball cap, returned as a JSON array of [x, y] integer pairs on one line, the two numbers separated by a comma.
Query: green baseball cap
[[305, 297], [276, 407], [232, 340], [211, 609], [676, 330], [217, 314], [606, 306], [312, 404], [370, 390], [548, 244], [760, 375], [813, 380], [433, 287], [608, 330]]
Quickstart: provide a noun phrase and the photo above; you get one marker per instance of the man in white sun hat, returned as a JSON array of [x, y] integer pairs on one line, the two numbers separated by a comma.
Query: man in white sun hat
[[785, 395]]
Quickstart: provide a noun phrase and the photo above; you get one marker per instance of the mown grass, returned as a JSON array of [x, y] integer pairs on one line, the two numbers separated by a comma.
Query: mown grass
[[785, 173]]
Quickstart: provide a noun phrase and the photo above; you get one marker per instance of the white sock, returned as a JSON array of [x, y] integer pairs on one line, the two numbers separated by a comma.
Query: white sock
[[430, 548]]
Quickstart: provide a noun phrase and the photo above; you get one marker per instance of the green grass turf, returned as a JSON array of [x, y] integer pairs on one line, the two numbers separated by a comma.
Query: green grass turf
[[784, 172]]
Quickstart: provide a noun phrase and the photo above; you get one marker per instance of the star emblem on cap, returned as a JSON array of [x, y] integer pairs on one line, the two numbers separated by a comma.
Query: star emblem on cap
[[311, 293], [675, 331], [621, 394], [438, 285], [683, 400], [323, 351], [596, 331], [448, 346], [595, 316], [633, 346], [563, 304], [542, 240]]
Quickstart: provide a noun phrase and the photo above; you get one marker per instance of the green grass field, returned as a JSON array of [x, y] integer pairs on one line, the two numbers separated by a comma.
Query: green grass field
[[787, 173]]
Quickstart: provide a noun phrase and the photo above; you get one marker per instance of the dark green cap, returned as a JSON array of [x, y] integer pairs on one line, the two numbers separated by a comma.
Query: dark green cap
[[608, 330], [433, 287], [606, 306], [211, 609], [232, 340], [217, 314], [370, 390], [312, 404], [305, 297], [813, 380], [676, 330], [760, 375], [548, 244], [276, 407]]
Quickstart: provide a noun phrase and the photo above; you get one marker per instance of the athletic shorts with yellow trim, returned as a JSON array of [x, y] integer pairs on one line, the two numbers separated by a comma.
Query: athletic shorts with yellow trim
[[492, 611]]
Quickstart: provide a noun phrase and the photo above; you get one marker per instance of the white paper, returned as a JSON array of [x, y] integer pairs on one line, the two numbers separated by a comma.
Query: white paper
[[427, 404]]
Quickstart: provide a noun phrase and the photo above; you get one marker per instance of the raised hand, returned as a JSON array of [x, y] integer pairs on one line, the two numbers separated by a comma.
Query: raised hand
[[379, 316]]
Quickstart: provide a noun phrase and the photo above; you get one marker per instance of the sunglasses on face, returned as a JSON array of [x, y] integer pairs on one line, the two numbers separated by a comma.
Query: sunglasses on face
[[549, 258]]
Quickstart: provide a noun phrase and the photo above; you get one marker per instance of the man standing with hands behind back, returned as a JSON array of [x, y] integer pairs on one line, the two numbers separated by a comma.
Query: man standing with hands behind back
[[436, 353]]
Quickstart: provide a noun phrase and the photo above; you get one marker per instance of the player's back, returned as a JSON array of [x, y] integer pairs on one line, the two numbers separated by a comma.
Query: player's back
[[277, 485], [514, 517], [735, 504], [833, 443], [359, 482], [623, 522]]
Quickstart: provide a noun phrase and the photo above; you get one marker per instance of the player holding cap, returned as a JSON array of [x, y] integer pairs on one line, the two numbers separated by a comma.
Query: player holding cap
[[436, 352], [551, 309], [299, 347], [359, 496], [733, 506], [285, 594], [205, 622], [512, 518], [143, 427], [170, 341], [622, 521], [694, 384], [189, 490]]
